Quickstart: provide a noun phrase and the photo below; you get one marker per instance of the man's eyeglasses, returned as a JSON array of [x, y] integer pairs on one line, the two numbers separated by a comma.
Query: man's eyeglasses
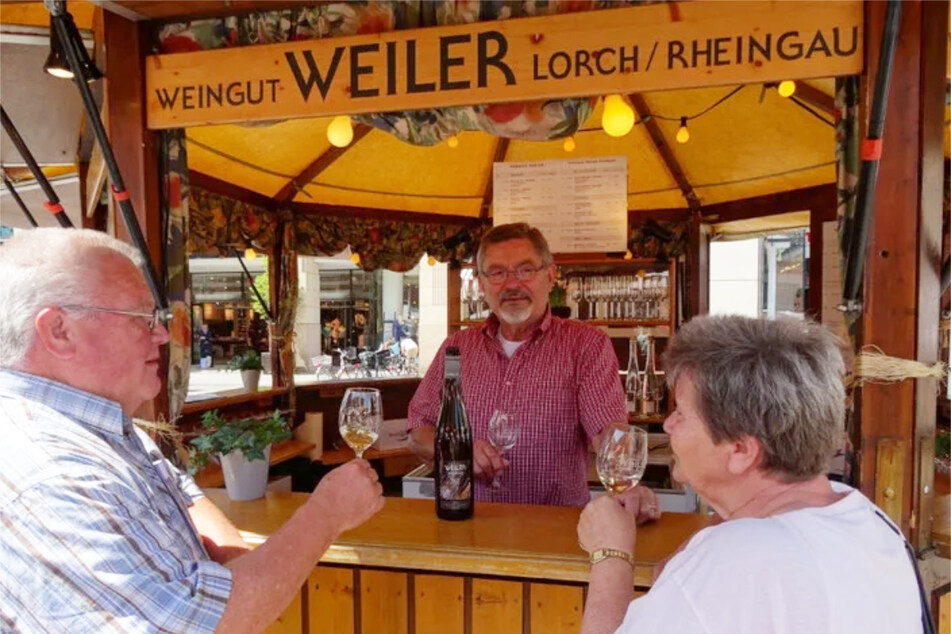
[[159, 316], [524, 273]]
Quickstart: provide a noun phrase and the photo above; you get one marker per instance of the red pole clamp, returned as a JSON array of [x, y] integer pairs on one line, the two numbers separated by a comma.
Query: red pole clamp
[[53, 208], [871, 149], [120, 196]]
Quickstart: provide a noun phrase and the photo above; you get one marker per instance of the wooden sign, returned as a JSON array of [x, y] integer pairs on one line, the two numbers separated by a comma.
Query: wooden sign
[[580, 205], [634, 49]]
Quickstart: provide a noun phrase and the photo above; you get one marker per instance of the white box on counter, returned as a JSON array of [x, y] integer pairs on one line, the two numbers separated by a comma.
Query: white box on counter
[[418, 483]]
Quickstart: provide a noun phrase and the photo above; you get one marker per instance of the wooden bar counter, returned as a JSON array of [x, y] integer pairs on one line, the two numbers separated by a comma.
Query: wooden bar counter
[[512, 568]]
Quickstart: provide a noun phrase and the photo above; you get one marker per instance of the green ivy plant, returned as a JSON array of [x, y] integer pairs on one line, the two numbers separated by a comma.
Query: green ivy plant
[[250, 435], [248, 360]]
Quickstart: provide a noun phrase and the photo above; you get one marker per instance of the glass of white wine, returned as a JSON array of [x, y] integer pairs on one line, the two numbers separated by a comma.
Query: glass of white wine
[[622, 459], [361, 416]]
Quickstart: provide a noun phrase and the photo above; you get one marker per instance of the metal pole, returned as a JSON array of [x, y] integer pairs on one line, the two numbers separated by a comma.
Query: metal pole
[[16, 197], [62, 22], [52, 205], [871, 151], [267, 311]]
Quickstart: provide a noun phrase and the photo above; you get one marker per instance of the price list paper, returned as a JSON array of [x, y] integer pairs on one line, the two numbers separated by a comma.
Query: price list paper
[[580, 205]]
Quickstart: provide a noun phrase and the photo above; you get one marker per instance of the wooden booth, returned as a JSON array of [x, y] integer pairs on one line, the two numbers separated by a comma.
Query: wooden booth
[[231, 117]]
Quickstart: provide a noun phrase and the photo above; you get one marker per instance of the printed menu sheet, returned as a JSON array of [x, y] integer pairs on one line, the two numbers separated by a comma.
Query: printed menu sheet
[[579, 204]]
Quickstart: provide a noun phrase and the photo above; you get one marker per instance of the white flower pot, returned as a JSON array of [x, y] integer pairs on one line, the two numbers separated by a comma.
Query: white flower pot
[[250, 379], [245, 479]]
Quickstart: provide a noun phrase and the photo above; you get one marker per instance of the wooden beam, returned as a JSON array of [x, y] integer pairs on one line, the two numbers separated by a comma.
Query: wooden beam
[[902, 260], [230, 190], [322, 162], [666, 154], [236, 192], [501, 149], [820, 198], [394, 215], [934, 64], [816, 98], [136, 150]]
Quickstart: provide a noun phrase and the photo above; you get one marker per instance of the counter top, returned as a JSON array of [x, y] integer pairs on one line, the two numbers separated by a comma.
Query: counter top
[[536, 542]]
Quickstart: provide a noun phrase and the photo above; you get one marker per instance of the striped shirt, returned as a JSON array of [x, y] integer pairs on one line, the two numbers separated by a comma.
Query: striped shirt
[[95, 534], [563, 387]]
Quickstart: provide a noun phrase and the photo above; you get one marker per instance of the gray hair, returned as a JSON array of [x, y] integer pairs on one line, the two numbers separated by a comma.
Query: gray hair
[[777, 381], [515, 231], [41, 268]]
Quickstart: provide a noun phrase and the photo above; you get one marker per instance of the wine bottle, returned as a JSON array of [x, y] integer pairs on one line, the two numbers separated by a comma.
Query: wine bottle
[[453, 447], [633, 376], [651, 388]]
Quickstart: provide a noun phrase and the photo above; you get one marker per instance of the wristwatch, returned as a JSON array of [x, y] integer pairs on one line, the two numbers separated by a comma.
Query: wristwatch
[[604, 553]]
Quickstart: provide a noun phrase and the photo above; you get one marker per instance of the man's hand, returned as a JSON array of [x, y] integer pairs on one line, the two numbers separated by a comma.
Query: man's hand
[[487, 462], [349, 495], [642, 503], [605, 523]]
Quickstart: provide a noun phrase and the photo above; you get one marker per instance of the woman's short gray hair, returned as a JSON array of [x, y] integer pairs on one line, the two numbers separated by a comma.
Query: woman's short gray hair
[[515, 231], [41, 268], [777, 381]]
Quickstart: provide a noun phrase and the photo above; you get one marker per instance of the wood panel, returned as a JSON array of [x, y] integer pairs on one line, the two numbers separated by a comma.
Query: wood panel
[[383, 602], [496, 606], [556, 609], [291, 621], [330, 601], [439, 602]]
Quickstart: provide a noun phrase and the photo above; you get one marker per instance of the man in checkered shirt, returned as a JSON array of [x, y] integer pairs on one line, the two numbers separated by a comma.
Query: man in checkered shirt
[[558, 377], [98, 531]]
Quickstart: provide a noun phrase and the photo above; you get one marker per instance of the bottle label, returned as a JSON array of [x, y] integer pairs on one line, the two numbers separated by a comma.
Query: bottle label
[[454, 484]]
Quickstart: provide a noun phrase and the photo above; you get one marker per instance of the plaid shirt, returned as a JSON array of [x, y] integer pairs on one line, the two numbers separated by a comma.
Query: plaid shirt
[[94, 531], [563, 386]]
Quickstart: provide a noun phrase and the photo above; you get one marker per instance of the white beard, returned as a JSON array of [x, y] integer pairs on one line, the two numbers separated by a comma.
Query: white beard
[[515, 316]]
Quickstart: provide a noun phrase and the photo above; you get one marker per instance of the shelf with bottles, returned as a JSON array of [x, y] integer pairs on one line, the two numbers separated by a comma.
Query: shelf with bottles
[[602, 290]]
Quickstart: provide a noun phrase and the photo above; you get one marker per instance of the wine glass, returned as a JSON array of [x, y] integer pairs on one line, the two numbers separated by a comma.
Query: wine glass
[[503, 434], [622, 459], [361, 415]]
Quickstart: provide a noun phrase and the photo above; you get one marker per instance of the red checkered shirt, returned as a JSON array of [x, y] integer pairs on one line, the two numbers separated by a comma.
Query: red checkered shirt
[[563, 386]]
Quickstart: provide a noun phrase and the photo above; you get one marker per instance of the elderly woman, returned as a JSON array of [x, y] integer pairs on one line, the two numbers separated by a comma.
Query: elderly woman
[[759, 410]]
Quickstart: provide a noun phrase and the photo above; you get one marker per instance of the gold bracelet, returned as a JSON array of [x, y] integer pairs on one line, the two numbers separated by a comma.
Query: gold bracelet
[[603, 553]]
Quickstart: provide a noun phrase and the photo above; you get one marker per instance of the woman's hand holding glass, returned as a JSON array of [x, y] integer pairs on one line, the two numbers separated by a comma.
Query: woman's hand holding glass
[[621, 459]]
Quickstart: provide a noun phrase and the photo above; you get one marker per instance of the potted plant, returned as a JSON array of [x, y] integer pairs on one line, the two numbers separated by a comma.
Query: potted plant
[[243, 447], [249, 363]]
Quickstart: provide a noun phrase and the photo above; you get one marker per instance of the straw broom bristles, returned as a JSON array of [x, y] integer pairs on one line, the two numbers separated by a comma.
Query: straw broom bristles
[[874, 366]]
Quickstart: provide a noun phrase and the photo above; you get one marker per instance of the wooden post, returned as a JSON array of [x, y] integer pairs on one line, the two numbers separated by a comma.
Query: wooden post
[[135, 149], [900, 303]]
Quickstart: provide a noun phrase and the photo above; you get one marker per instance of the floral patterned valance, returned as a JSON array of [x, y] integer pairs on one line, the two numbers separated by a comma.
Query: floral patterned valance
[[660, 240], [532, 120], [219, 225]]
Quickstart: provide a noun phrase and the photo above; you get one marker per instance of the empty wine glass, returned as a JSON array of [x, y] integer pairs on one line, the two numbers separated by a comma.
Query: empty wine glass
[[503, 434], [622, 459], [361, 416]]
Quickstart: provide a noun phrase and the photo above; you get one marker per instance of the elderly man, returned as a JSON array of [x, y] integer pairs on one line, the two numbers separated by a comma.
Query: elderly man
[[98, 532], [760, 408], [557, 377]]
